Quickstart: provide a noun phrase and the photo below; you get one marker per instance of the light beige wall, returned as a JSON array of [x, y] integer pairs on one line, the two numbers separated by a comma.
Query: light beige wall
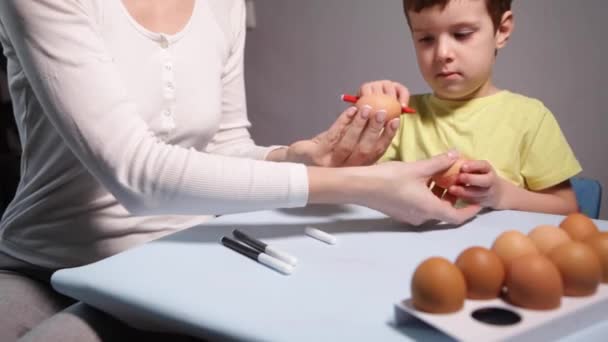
[[303, 54]]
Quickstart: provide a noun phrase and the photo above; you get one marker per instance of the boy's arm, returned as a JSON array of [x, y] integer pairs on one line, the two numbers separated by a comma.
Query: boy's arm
[[547, 165], [479, 183], [558, 199]]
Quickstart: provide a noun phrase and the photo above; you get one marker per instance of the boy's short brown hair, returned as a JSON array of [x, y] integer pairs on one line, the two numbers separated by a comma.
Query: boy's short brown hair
[[496, 8]]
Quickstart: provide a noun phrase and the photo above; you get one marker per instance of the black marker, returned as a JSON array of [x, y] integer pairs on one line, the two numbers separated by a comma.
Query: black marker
[[263, 258], [262, 247]]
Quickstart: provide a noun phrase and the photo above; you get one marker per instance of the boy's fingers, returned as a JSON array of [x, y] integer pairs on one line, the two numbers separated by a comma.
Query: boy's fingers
[[403, 94], [377, 88], [469, 193], [366, 89], [389, 89], [482, 180], [476, 166]]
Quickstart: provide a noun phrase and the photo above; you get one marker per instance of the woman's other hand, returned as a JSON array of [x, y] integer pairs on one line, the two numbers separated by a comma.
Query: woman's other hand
[[355, 138]]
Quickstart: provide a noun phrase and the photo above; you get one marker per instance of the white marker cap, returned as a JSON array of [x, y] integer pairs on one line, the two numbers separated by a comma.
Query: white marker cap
[[275, 264], [281, 255], [320, 235]]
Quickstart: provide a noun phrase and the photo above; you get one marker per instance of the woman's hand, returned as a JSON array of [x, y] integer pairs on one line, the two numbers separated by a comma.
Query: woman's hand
[[355, 138], [397, 189], [407, 197]]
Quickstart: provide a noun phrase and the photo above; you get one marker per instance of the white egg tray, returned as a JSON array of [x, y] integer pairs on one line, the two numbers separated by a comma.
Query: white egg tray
[[575, 313]]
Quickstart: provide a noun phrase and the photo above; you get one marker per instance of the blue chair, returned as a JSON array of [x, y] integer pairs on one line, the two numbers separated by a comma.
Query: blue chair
[[588, 195]]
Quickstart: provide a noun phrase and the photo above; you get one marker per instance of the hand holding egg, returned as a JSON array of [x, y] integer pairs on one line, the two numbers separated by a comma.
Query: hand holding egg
[[479, 183], [356, 138], [441, 182]]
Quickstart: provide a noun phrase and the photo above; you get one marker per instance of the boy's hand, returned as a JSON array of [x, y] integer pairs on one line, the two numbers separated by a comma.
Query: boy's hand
[[479, 183], [387, 87], [355, 138]]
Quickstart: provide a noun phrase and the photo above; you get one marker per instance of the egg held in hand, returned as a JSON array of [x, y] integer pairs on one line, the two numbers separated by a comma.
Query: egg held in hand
[[438, 286], [378, 102], [449, 177]]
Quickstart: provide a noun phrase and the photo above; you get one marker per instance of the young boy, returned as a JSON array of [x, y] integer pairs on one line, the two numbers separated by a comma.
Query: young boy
[[519, 157]]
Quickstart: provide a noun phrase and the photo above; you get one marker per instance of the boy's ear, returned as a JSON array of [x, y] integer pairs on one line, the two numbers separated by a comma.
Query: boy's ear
[[505, 29]]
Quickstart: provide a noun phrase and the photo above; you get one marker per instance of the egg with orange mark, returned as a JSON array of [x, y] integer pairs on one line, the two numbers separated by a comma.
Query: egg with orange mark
[[599, 244], [378, 102], [438, 286], [546, 237], [512, 244], [483, 271], [579, 226], [534, 282], [447, 178], [579, 267]]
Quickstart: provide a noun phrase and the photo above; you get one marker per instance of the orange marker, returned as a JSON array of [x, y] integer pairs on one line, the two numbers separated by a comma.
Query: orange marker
[[354, 99]]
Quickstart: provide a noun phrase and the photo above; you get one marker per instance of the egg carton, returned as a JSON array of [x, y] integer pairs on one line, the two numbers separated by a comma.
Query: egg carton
[[574, 314]]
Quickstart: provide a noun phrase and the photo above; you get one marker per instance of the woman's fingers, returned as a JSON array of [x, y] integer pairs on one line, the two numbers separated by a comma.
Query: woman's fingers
[[338, 128], [446, 212], [389, 132], [349, 140], [374, 140]]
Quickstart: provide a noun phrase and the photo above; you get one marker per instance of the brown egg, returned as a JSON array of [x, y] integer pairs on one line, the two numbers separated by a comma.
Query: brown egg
[[438, 286], [578, 226], [534, 282], [512, 244], [483, 272], [547, 237], [381, 102], [448, 177], [579, 267], [599, 244]]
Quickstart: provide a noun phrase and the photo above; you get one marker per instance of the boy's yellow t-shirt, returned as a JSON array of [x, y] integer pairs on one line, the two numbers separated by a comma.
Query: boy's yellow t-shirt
[[518, 135]]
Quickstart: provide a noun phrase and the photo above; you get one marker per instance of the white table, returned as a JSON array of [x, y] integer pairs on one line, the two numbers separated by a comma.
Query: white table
[[188, 282]]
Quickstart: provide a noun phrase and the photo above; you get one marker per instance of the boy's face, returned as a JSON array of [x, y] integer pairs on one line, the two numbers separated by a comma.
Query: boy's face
[[456, 47]]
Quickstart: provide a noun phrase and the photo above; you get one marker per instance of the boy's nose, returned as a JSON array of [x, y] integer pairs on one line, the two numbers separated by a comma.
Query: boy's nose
[[444, 52]]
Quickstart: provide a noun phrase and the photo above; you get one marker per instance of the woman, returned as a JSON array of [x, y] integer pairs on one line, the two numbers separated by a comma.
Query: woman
[[133, 122]]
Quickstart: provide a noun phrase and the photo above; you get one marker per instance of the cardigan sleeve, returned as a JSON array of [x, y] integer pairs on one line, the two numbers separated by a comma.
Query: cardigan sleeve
[[72, 76], [233, 136]]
